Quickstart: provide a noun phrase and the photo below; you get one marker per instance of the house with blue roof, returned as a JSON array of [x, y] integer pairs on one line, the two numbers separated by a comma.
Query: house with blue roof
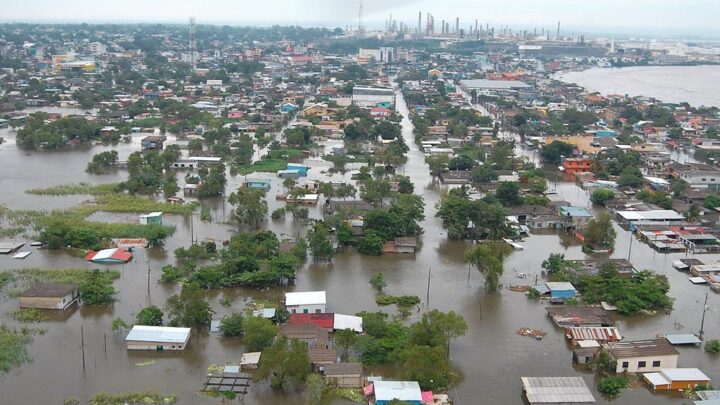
[[575, 217]]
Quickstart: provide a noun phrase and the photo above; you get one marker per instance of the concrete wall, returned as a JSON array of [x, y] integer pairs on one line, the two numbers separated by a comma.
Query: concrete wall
[[141, 345], [311, 309], [346, 381], [667, 361], [46, 302]]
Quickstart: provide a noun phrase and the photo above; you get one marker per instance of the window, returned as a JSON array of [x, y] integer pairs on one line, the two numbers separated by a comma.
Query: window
[[305, 311], [656, 363], [625, 364], [294, 311], [317, 311], [704, 179], [642, 364]]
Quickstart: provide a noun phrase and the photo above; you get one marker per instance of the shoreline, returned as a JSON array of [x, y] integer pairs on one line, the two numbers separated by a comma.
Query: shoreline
[[666, 93]]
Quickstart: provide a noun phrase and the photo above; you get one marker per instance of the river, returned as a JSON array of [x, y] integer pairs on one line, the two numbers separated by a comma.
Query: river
[[698, 85], [491, 357]]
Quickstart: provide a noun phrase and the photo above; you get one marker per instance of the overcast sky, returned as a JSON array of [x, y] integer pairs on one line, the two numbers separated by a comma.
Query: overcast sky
[[675, 16]]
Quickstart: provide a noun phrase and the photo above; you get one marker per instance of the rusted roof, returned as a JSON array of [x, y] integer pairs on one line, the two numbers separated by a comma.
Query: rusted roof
[[318, 356], [326, 320], [603, 334], [641, 348], [343, 369], [49, 290]]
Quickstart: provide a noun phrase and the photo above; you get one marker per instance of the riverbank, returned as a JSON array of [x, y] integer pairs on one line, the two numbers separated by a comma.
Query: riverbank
[[696, 85]]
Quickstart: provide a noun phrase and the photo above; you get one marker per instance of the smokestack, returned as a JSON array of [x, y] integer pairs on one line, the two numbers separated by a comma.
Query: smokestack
[[419, 23], [457, 25], [558, 31]]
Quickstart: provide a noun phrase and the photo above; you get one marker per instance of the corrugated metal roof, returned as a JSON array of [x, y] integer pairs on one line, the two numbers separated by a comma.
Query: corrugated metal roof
[[684, 374], [158, 334], [401, 390], [556, 390], [638, 348], [683, 339], [604, 334], [305, 298]]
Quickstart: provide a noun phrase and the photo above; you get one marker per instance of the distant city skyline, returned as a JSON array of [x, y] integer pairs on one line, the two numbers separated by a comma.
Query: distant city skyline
[[668, 17]]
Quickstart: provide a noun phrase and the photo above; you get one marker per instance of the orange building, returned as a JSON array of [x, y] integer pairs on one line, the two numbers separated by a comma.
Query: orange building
[[673, 379], [576, 165]]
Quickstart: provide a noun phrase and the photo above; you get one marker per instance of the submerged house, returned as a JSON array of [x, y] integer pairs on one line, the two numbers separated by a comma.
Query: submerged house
[[306, 302], [556, 390], [109, 256], [407, 392], [50, 296], [676, 379], [142, 337], [632, 356]]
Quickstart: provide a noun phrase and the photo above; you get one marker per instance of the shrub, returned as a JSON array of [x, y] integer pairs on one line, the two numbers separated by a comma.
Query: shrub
[[712, 346], [611, 386], [232, 325]]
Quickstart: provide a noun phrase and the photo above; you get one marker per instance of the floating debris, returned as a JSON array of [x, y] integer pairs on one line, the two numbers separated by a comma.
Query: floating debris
[[519, 288], [537, 334], [145, 363]]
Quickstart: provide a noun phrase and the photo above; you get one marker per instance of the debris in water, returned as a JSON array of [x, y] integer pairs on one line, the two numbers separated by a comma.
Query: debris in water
[[145, 363], [519, 288], [533, 333]]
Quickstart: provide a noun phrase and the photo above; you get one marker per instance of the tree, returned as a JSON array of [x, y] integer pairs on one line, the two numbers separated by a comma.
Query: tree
[[427, 365], [318, 391], [119, 323], [232, 325], [251, 206], [554, 152], [600, 231], [286, 364], [712, 201], [437, 329], [378, 282], [320, 244], [601, 196], [437, 163], [554, 264], [150, 316], [375, 191], [461, 162], [611, 386], [371, 244], [259, 333], [712, 346], [509, 193], [189, 308], [630, 177], [488, 259], [678, 187], [693, 213], [405, 186], [97, 288], [387, 130], [344, 340], [344, 234]]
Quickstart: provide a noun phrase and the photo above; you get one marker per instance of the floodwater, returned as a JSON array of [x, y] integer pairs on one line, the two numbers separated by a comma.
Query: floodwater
[[698, 85], [491, 358]]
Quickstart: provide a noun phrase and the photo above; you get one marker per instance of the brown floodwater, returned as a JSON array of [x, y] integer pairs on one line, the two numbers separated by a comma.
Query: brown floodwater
[[491, 358]]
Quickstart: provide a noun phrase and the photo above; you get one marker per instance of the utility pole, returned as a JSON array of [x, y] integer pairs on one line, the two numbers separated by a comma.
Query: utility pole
[[427, 298], [82, 345], [702, 322]]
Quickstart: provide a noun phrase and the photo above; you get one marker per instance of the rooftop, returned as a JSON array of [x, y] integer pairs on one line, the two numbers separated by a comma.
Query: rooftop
[[305, 298], [158, 334], [641, 348], [401, 390], [343, 369], [49, 290], [556, 390]]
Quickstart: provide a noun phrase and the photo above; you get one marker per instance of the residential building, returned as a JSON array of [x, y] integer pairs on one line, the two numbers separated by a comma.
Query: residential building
[[407, 392], [313, 336], [344, 375], [307, 302], [576, 165], [153, 218], [50, 296], [142, 337], [675, 379], [556, 390], [696, 174], [632, 356], [364, 96], [575, 217], [561, 289]]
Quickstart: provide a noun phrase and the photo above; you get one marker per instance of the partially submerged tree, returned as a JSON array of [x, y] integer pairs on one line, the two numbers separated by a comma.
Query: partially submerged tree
[[488, 259]]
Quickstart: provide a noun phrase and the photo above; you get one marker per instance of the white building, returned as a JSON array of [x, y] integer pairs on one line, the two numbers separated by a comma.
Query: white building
[[159, 338], [97, 48], [307, 302], [364, 96]]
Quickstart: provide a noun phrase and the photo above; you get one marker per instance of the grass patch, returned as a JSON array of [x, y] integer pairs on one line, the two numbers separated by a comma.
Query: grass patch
[[400, 300], [36, 275], [264, 165], [29, 315], [5, 278], [133, 398], [130, 203], [73, 189], [351, 394], [13, 348]]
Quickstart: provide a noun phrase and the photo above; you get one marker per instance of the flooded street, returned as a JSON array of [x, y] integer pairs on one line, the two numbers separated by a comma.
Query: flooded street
[[490, 358]]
